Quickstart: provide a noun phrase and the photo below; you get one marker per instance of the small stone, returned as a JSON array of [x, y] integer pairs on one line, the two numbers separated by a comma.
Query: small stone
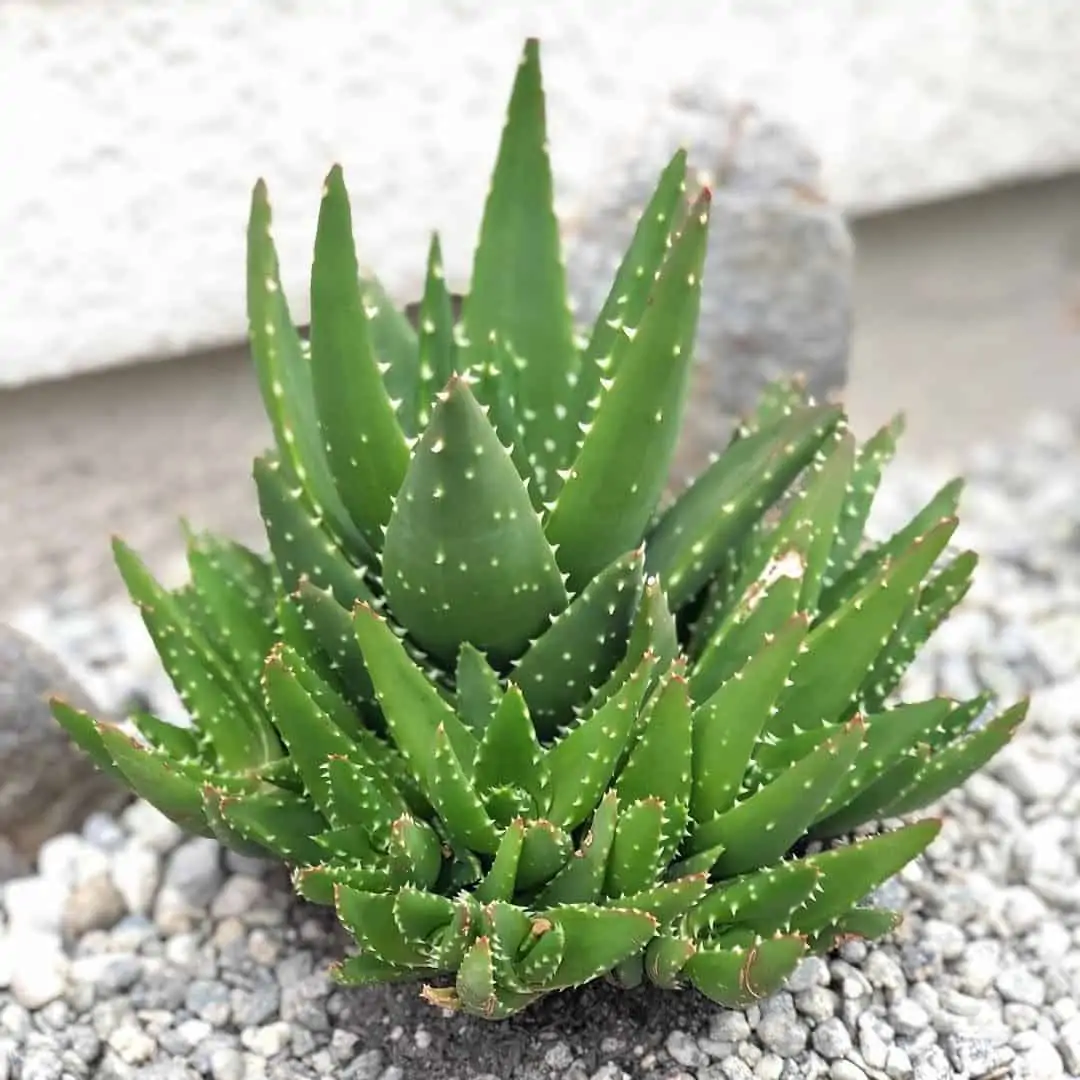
[[846, 1070], [560, 1057], [227, 1064], [812, 971], [366, 1066], [1069, 1044], [908, 1017], [831, 1039], [113, 973], [252, 1008], [237, 896], [34, 904], [975, 1056], [818, 1003], [151, 827], [132, 1045], [1037, 1058], [42, 1065], [96, 904], [38, 970], [883, 972], [209, 1001], [898, 1064], [873, 1041], [729, 1026], [779, 1029], [343, 1045], [769, 1067], [67, 859], [978, 967], [685, 1050], [136, 871], [266, 1041], [733, 1068], [194, 871], [1016, 983]]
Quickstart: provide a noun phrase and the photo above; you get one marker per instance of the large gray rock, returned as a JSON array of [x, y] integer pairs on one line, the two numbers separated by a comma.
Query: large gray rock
[[777, 289], [47, 785]]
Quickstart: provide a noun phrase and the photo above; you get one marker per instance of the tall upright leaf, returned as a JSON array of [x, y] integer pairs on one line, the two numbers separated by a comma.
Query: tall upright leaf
[[519, 282]]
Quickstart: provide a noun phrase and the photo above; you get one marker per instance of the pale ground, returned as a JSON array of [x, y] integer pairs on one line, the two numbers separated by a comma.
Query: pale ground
[[968, 318]]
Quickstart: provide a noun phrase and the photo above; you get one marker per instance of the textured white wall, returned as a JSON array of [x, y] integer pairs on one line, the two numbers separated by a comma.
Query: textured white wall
[[131, 130]]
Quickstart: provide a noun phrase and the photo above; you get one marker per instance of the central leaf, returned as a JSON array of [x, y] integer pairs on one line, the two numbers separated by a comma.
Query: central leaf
[[465, 557]]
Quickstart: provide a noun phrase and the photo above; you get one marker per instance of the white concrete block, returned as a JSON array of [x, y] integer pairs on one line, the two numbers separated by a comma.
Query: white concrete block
[[131, 131]]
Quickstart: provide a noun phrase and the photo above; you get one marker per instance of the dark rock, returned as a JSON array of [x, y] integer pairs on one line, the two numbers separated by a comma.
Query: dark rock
[[47, 785]]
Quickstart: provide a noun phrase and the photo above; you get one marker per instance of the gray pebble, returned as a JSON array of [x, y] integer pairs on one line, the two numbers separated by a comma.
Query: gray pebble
[[831, 1039], [366, 1066], [194, 871], [780, 1029], [685, 1050]]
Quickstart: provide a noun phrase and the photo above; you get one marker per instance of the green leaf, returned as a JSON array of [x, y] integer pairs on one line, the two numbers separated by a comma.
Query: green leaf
[[660, 764], [284, 376], [689, 542], [369, 917], [888, 736], [583, 762], [438, 349], [478, 689], [318, 883], [809, 523], [310, 734], [762, 827], [500, 881], [420, 915], [726, 726], [545, 849], [582, 646], [637, 855], [867, 924], [953, 765], [736, 976], [654, 632], [169, 786], [581, 880], [397, 351], [414, 853], [622, 468], [596, 940], [85, 732], [301, 546], [413, 709], [327, 629], [633, 283], [869, 564], [762, 900], [180, 744], [366, 970], [869, 804], [220, 706], [284, 823], [777, 401], [852, 872], [240, 609], [937, 599], [365, 444], [665, 957], [465, 556], [510, 754], [453, 795], [872, 458], [475, 983], [518, 282], [841, 650], [669, 900]]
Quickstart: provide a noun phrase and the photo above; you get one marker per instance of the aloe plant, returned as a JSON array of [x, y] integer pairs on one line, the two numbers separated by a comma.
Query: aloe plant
[[521, 719]]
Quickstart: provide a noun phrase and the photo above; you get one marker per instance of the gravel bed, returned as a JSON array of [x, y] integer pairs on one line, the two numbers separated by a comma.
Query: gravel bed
[[138, 953]]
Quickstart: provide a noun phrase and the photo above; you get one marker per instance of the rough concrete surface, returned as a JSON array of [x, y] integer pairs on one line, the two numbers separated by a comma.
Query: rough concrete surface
[[125, 185], [967, 316]]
